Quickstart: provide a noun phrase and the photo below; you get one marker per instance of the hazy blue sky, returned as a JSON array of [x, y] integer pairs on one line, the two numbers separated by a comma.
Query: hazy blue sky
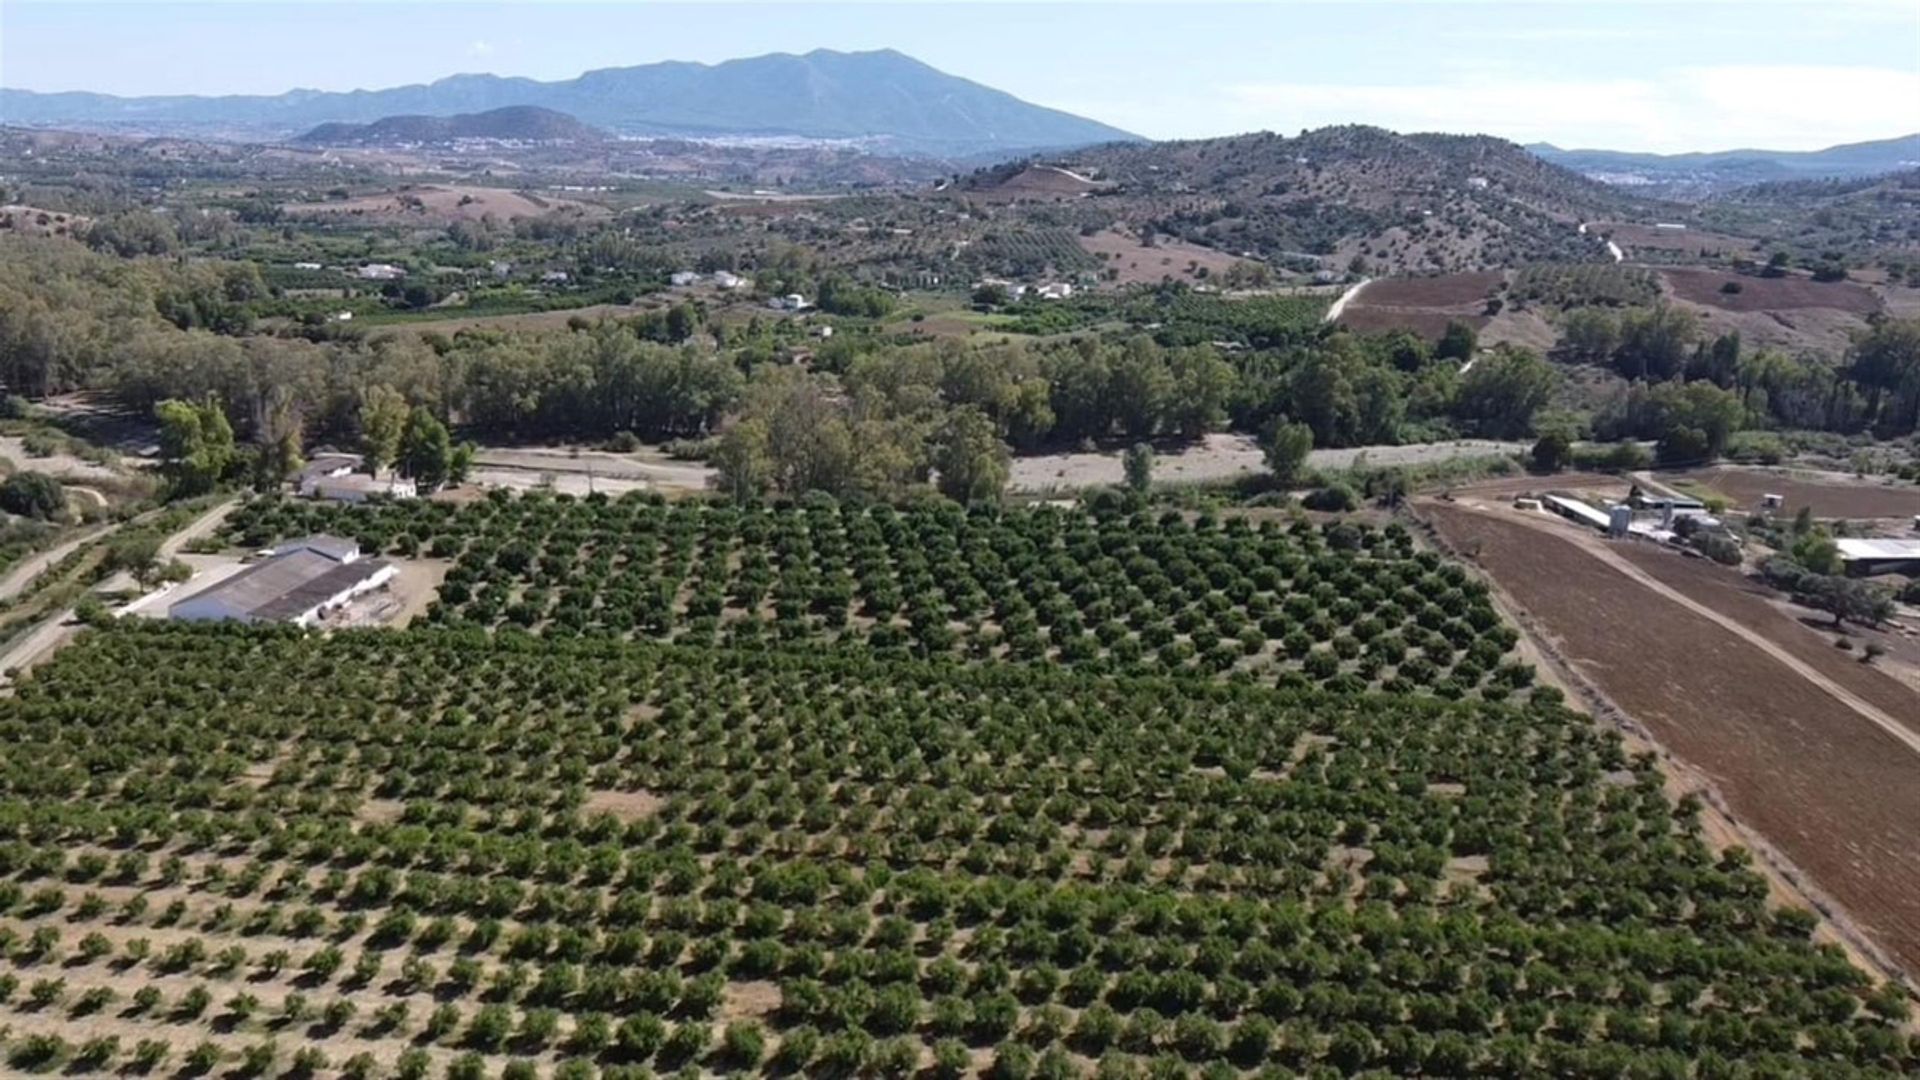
[[1671, 76]]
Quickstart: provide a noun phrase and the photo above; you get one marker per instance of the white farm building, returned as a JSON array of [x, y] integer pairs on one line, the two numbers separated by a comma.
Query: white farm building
[[298, 583]]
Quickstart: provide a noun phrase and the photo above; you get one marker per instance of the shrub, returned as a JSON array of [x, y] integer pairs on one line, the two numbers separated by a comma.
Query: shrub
[[1335, 498], [32, 495]]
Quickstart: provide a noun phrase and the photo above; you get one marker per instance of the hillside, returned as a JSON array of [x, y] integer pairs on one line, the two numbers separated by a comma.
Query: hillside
[[885, 98], [517, 123], [1397, 203], [1863, 220], [1707, 173]]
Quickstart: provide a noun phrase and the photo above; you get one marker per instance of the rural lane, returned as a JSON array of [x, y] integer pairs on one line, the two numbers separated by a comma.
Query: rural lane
[[1340, 305], [36, 644], [202, 526], [59, 628], [24, 571]]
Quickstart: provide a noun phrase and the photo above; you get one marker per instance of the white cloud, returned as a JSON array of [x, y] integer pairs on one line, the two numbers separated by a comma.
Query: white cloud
[[480, 48], [1779, 107]]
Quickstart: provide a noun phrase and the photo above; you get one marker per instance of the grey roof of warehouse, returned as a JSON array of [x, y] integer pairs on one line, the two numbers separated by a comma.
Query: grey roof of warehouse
[[1877, 548], [336, 548], [287, 585]]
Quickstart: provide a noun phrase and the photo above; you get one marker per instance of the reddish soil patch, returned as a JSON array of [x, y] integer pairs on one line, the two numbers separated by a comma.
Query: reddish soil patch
[[1832, 791], [1829, 497], [1423, 305], [1769, 294], [1368, 318], [1446, 290], [1753, 604]]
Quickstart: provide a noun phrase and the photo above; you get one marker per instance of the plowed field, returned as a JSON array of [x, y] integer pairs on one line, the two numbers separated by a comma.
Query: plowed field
[[1834, 498], [1792, 758]]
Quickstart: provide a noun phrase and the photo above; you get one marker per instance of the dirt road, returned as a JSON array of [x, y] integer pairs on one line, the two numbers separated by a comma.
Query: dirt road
[[203, 526], [23, 652], [35, 645], [1340, 305], [17, 579]]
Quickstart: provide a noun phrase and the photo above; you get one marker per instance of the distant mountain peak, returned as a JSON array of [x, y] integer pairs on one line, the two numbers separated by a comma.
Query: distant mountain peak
[[883, 97]]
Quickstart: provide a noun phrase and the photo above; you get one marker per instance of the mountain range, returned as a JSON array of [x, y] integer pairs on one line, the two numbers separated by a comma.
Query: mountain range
[[519, 123], [883, 99], [1699, 173]]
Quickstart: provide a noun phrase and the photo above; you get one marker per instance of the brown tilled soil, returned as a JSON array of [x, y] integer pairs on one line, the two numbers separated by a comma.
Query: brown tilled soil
[[1367, 317], [1824, 785], [1751, 602], [1447, 290], [1768, 294], [1830, 496], [1423, 305]]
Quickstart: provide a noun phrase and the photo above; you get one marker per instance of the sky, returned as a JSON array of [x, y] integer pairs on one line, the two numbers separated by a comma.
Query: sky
[[1675, 76]]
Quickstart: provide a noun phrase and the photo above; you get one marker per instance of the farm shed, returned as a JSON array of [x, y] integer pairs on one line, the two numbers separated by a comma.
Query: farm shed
[[1576, 510], [1870, 558], [298, 583], [337, 548], [355, 487], [324, 466]]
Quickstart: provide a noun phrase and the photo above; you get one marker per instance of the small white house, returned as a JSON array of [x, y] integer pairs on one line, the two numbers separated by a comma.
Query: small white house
[[554, 277], [381, 272], [725, 280], [682, 278], [306, 266], [1056, 290]]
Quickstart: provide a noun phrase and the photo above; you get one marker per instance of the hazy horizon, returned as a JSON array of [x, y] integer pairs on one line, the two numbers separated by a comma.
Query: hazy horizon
[[1635, 77]]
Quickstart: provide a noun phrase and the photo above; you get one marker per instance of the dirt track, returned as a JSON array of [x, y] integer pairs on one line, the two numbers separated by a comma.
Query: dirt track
[[24, 571], [1792, 747]]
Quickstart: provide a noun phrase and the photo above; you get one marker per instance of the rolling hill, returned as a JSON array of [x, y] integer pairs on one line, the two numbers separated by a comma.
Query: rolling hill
[[884, 99], [1397, 203], [519, 123], [1706, 173]]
